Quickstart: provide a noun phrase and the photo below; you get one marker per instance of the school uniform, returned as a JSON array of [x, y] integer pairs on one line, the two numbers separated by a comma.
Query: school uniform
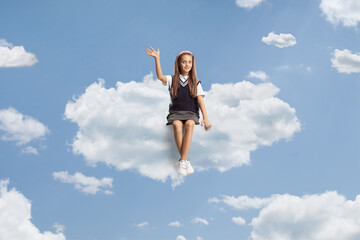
[[184, 107]]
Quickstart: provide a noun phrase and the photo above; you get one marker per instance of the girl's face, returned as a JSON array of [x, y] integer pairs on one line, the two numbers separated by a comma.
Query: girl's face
[[185, 64]]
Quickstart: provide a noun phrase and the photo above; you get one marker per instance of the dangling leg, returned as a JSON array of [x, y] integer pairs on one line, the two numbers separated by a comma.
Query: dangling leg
[[186, 142], [178, 134], [189, 128]]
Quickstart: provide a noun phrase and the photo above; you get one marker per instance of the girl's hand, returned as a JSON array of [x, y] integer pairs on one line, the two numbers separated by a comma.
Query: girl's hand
[[152, 52], [207, 123]]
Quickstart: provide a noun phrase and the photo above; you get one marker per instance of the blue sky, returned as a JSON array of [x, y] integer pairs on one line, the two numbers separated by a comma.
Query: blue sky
[[84, 153]]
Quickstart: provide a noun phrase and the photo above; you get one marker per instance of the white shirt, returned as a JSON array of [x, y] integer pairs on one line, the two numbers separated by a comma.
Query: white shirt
[[200, 90]]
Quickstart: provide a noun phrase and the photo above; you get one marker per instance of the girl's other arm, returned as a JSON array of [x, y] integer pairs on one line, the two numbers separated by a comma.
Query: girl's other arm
[[156, 55], [205, 120]]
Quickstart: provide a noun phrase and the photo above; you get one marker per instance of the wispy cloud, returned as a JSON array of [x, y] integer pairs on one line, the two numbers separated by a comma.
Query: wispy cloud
[[248, 4], [345, 12], [143, 224], [15, 217], [15, 56], [238, 221], [175, 224], [59, 227], [281, 40], [346, 62], [113, 130], [242, 202], [30, 150], [88, 185], [258, 74], [200, 220]]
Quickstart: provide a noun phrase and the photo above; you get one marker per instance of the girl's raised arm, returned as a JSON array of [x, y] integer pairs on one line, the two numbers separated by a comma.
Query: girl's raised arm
[[156, 55]]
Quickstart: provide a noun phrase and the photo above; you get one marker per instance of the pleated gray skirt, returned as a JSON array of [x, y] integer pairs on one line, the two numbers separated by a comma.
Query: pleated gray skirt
[[183, 116]]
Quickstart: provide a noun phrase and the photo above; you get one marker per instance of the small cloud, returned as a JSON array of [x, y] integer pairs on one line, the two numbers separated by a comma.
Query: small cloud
[[200, 220], [180, 237], [21, 129], [175, 224], [283, 67], [258, 74], [238, 221], [281, 41], [29, 150], [346, 62], [142, 225], [245, 202], [88, 185], [4, 43], [248, 4], [15, 56], [214, 200], [59, 228], [199, 238]]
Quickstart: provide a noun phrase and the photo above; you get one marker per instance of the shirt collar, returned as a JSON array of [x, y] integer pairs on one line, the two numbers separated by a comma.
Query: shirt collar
[[184, 78]]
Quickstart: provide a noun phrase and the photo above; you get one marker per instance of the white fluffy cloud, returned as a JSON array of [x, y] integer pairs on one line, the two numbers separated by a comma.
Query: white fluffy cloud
[[200, 220], [346, 62], [125, 126], [180, 237], [258, 74], [249, 4], [88, 185], [238, 221], [346, 12], [15, 217], [280, 40], [175, 224], [15, 56], [318, 217], [21, 129]]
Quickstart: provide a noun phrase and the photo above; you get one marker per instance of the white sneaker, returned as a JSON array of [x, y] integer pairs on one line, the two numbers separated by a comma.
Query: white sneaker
[[189, 169], [181, 167]]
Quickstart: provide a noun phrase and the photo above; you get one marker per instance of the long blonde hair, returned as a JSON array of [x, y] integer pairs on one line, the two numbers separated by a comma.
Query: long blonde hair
[[192, 80]]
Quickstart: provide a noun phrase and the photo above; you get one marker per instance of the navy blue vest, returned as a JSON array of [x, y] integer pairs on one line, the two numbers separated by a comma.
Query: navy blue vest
[[184, 101]]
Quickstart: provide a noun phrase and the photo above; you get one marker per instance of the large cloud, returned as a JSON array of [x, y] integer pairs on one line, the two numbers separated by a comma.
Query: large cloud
[[15, 218], [327, 216], [125, 126], [346, 12], [346, 62], [17, 56], [280, 40], [20, 128], [249, 4]]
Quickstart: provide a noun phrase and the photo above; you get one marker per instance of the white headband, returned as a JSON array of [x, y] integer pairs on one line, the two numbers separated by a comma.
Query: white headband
[[184, 52]]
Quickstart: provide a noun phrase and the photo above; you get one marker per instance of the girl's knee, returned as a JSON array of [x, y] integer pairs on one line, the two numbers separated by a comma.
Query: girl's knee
[[189, 124], [177, 124]]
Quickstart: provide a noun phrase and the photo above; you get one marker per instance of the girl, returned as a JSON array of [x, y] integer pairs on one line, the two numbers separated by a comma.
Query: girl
[[186, 96]]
